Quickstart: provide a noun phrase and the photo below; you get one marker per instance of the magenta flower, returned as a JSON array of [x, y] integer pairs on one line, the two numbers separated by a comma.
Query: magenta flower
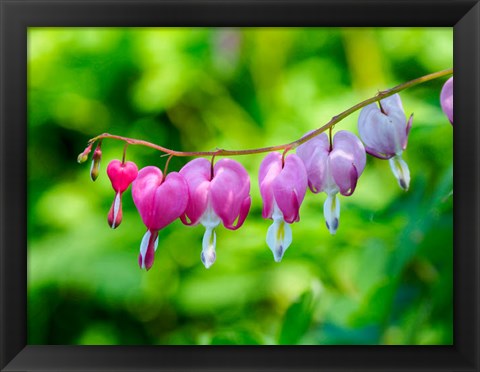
[[446, 99], [282, 188], [384, 131], [121, 176], [160, 201], [333, 169], [217, 194]]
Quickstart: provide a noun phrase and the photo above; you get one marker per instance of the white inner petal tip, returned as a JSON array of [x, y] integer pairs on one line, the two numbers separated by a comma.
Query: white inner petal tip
[[278, 254], [279, 235], [144, 246], [208, 255], [331, 211], [116, 208], [401, 171]]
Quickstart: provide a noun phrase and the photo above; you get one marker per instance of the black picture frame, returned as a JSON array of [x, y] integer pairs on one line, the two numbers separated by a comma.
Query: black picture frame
[[17, 16]]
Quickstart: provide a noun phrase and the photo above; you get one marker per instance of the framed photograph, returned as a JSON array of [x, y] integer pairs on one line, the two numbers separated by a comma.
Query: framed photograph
[[208, 185]]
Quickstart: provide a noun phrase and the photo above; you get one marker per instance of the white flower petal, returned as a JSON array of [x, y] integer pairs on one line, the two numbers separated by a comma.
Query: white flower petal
[[209, 218], [116, 208], [144, 246], [401, 171], [209, 242], [279, 234], [331, 211]]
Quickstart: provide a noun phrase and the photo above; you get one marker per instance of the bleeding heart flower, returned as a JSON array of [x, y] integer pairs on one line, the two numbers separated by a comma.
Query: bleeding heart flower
[[283, 188], [446, 99], [160, 202], [121, 175], [384, 131], [218, 194], [333, 169]]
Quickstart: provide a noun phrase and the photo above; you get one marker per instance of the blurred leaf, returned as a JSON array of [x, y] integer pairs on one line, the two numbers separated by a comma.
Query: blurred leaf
[[296, 320], [332, 334]]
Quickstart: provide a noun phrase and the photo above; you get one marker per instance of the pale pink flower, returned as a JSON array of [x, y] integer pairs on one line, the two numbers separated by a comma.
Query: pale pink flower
[[333, 170], [217, 194], [384, 131], [160, 201], [283, 188]]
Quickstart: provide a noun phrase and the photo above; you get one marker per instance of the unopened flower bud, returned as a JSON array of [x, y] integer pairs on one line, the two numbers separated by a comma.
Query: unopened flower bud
[[83, 156], [97, 156]]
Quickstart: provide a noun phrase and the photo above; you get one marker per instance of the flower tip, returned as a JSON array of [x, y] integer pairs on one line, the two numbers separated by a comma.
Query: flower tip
[[95, 170], [333, 226], [147, 265], [208, 258], [82, 158], [208, 255], [278, 253], [147, 249], [115, 212], [94, 174], [331, 211], [279, 238], [401, 171]]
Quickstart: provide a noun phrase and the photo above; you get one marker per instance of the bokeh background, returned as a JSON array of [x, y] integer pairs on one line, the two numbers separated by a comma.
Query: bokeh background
[[384, 278]]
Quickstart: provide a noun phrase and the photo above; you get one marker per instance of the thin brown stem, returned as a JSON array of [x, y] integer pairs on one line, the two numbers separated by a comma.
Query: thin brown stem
[[166, 166], [124, 153], [330, 137], [292, 145]]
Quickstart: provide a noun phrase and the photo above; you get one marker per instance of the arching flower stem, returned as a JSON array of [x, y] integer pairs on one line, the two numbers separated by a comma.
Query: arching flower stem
[[292, 145]]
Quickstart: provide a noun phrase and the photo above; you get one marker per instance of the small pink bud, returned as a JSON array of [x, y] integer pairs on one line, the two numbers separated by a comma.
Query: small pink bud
[[121, 175], [83, 157], [97, 156]]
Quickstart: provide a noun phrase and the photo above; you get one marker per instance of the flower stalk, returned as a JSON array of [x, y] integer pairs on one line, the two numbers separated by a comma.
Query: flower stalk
[[292, 145]]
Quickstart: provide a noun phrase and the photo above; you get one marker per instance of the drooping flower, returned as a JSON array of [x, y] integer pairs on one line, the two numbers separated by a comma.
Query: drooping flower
[[121, 175], [384, 131], [159, 201], [333, 169], [217, 194], [446, 99], [283, 187]]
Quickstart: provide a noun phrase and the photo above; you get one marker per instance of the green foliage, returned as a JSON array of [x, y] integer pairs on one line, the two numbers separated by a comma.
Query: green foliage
[[386, 277], [297, 320]]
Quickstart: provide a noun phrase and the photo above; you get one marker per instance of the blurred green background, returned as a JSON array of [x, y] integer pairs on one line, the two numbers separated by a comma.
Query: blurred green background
[[384, 278]]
